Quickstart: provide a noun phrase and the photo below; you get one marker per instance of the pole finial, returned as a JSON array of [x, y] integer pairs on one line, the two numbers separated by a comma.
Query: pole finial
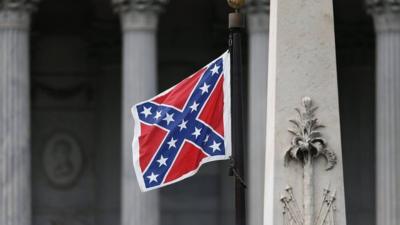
[[236, 4]]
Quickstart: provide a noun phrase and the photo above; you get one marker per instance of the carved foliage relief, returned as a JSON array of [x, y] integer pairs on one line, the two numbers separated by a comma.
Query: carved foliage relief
[[308, 145]]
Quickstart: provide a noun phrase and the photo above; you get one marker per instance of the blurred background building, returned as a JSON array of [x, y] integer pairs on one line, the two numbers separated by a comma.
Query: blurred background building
[[71, 69]]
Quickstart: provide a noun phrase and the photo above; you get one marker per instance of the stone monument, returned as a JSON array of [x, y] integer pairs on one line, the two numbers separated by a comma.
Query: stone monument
[[303, 173]]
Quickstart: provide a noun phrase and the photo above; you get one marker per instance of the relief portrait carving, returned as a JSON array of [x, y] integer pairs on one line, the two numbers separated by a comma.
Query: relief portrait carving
[[62, 160]]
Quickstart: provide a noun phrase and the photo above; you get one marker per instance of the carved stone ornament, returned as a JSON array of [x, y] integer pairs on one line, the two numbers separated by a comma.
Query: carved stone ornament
[[378, 6], [307, 141], [124, 5], [257, 6], [62, 160], [307, 145], [292, 215], [18, 4]]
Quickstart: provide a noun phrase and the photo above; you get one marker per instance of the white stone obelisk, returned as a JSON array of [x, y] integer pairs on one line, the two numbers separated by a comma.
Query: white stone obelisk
[[386, 16], [15, 183], [139, 24], [258, 24], [303, 173]]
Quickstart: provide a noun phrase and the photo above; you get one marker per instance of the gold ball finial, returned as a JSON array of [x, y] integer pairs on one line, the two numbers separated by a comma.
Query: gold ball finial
[[236, 4]]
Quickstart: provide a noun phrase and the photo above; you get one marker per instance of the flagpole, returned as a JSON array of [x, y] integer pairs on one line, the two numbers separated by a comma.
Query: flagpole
[[236, 27]]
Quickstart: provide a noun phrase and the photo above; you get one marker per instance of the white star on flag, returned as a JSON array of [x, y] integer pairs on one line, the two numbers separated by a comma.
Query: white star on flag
[[215, 69], [162, 161], [207, 137], [153, 177], [196, 132], [158, 115], [204, 88], [182, 125], [146, 111], [194, 106], [215, 146], [172, 143], [169, 118]]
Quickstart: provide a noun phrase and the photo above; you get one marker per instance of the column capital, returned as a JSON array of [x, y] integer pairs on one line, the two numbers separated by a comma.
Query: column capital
[[257, 6], [258, 15], [139, 14], [382, 6], [138, 5], [19, 5], [387, 22], [386, 14], [15, 14]]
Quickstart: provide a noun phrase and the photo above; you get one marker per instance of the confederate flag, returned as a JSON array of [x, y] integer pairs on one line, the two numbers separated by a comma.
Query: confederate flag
[[184, 127]]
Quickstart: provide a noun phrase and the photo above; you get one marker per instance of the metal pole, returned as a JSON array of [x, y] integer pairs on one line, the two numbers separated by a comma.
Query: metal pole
[[236, 27]]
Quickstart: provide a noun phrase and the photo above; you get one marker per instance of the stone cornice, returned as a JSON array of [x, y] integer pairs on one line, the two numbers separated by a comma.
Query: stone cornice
[[257, 6], [28, 5], [138, 5], [382, 6]]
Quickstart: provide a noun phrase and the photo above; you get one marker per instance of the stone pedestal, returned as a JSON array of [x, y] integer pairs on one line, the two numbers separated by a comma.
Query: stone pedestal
[[258, 28], [139, 82], [387, 25], [15, 183], [303, 163]]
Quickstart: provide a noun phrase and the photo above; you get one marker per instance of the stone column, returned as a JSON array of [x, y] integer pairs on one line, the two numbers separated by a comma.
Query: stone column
[[15, 183], [258, 27], [139, 82], [386, 14]]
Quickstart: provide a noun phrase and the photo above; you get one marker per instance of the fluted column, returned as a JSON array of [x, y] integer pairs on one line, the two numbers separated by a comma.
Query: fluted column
[[258, 27], [139, 82], [386, 16], [15, 184]]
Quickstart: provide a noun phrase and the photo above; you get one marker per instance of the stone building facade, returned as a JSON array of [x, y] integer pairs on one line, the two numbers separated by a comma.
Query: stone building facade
[[70, 70]]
